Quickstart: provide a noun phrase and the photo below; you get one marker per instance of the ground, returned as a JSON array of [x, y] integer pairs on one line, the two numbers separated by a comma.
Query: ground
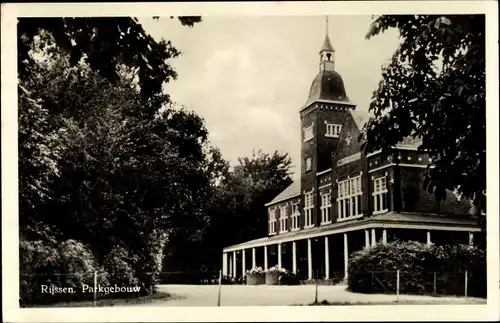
[[241, 295], [143, 300]]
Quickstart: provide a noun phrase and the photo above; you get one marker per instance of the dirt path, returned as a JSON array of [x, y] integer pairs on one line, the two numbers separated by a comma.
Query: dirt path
[[264, 295]]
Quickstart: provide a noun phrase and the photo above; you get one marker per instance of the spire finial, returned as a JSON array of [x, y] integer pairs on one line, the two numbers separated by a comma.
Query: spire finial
[[326, 25]]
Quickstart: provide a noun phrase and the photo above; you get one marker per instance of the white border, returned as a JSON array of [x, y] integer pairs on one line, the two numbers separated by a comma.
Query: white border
[[294, 314]]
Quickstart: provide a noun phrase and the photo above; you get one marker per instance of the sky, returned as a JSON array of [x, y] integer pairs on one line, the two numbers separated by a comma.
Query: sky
[[248, 76]]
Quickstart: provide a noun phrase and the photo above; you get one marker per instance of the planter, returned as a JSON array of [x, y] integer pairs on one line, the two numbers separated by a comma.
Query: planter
[[256, 279], [272, 278]]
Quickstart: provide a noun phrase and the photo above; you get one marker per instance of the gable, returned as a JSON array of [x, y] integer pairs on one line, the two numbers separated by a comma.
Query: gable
[[349, 144]]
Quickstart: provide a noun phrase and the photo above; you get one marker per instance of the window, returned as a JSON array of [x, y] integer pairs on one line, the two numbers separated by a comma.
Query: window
[[272, 221], [272, 249], [308, 133], [326, 216], [283, 219], [355, 186], [380, 195], [295, 216], [308, 209], [308, 164], [349, 198], [333, 130]]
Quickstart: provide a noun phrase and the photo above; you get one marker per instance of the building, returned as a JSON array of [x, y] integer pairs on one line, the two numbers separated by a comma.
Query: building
[[346, 199]]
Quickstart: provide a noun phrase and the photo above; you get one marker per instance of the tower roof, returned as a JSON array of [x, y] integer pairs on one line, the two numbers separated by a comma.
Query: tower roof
[[327, 45], [327, 86]]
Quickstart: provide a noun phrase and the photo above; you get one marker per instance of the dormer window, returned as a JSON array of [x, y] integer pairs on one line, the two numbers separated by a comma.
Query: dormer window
[[308, 133], [333, 130]]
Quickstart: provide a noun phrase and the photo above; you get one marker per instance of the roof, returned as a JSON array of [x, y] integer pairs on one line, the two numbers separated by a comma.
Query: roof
[[427, 218], [327, 45], [360, 117], [327, 85], [389, 220], [291, 191]]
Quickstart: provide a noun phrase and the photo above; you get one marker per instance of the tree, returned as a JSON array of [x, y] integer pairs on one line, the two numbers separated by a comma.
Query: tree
[[106, 43], [116, 180], [434, 89], [239, 202]]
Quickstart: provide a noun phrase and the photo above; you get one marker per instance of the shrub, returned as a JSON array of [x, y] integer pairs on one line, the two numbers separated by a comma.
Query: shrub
[[68, 264], [79, 265], [228, 280], [288, 278], [373, 270], [275, 269], [116, 263], [256, 271], [37, 260]]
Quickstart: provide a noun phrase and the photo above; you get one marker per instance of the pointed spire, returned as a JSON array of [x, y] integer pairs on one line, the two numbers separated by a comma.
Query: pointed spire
[[327, 45]]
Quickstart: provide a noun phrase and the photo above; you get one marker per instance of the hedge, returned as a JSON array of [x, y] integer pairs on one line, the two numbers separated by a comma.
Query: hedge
[[423, 269], [67, 264]]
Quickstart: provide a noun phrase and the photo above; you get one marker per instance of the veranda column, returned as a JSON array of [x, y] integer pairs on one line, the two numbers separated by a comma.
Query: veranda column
[[224, 263], [234, 264], [327, 259], [384, 236], [429, 238], [367, 238], [374, 238], [243, 266], [279, 255], [294, 257], [471, 238], [346, 256], [230, 265], [254, 262], [309, 260], [265, 257]]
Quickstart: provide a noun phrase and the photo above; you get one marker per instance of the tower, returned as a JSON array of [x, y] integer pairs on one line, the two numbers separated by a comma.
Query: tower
[[321, 120], [327, 53]]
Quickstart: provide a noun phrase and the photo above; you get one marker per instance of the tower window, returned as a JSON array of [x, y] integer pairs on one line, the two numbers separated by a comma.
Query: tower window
[[308, 164], [308, 133], [333, 130], [328, 56]]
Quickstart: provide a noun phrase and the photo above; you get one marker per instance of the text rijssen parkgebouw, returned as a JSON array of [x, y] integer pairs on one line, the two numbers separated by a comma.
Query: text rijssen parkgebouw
[[87, 289]]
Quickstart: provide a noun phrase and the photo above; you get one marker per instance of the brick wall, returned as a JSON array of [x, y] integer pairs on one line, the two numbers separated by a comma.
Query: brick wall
[[416, 199]]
